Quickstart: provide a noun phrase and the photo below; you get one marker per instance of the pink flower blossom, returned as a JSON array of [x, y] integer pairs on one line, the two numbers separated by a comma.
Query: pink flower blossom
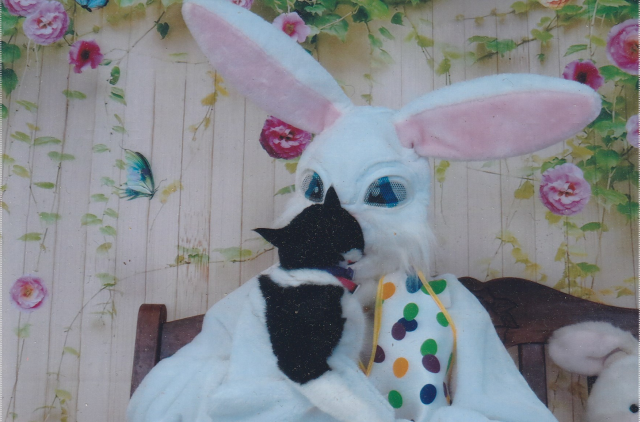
[[84, 53], [622, 46], [554, 4], [584, 72], [243, 3], [292, 25], [47, 24], [281, 140], [21, 7], [563, 189], [632, 130], [28, 293]]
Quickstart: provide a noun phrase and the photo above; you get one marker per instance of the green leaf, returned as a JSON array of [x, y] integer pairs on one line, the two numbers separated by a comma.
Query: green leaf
[[117, 94], [71, 351], [542, 36], [8, 20], [385, 33], [291, 166], [609, 197], [167, 3], [28, 105], [607, 158], [481, 39], [7, 159], [552, 218], [329, 4], [588, 268], [5, 112], [525, 191], [234, 253], [63, 394], [630, 209], [375, 42], [107, 181], [45, 185], [56, 156], [163, 29], [332, 24], [90, 220], [122, 165], [443, 67], [591, 227], [612, 73], [108, 231], [441, 171], [424, 42], [613, 3], [21, 171], [23, 331], [119, 129], [397, 18], [552, 163], [598, 41], [376, 8], [110, 213], [74, 95], [541, 57], [104, 248], [115, 75], [285, 190], [107, 278], [9, 79], [22, 137], [49, 218], [520, 7], [31, 237], [501, 46], [5, 206], [99, 197], [44, 140], [316, 9], [33, 127], [98, 148]]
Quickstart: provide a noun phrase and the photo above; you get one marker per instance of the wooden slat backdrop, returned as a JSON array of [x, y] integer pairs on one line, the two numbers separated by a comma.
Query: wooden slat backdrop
[[228, 185]]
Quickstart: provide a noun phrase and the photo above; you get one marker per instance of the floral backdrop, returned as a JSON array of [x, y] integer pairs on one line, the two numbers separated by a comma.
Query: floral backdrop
[[587, 187]]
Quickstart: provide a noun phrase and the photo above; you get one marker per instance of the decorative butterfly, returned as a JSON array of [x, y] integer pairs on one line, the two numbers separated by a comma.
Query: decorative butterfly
[[92, 4], [140, 182]]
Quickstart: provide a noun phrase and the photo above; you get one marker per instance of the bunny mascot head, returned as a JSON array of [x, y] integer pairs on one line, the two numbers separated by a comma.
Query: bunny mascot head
[[376, 160], [374, 157]]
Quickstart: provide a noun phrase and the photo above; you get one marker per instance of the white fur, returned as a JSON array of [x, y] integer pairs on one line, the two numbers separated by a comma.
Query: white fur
[[599, 348]]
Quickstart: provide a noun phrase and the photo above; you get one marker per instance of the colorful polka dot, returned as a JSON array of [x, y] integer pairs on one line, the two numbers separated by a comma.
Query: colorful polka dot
[[438, 286], [428, 394], [398, 331], [429, 347], [379, 356], [431, 363], [442, 320], [395, 399], [408, 325], [410, 311], [413, 283], [400, 367], [388, 289]]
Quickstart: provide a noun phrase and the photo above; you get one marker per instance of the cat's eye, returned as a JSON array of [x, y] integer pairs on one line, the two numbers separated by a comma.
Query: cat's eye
[[386, 192], [633, 408], [313, 187]]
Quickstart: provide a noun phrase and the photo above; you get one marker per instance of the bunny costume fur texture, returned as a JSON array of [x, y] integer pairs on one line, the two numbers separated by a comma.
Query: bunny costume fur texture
[[599, 348], [359, 150]]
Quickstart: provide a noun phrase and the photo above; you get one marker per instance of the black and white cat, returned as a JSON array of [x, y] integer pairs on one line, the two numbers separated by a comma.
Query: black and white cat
[[314, 324]]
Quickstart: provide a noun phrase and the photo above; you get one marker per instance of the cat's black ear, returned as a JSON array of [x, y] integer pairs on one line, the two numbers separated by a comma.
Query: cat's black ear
[[270, 235], [331, 200]]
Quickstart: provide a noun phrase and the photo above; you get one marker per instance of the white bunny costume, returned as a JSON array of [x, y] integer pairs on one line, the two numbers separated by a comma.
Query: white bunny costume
[[375, 158]]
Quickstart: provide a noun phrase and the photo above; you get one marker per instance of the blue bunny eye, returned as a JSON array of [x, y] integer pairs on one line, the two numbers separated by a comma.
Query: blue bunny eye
[[386, 192], [313, 187]]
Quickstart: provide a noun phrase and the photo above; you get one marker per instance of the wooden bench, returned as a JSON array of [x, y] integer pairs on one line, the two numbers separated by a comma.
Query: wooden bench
[[523, 312]]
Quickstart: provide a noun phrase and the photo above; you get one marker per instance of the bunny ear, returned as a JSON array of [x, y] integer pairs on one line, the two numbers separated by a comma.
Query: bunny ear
[[265, 64], [496, 117], [588, 347]]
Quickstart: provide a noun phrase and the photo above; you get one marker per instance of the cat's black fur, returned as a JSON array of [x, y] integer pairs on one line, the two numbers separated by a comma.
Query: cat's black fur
[[305, 322]]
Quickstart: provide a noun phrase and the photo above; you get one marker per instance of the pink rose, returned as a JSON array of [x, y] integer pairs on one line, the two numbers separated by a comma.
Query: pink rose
[[584, 72], [47, 24], [281, 140], [622, 46], [84, 53], [21, 7], [243, 3], [632, 130], [292, 25], [28, 293], [554, 4], [563, 189]]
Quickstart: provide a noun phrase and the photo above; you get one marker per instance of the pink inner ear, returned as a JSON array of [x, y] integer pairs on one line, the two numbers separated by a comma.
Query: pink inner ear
[[246, 66], [496, 127]]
